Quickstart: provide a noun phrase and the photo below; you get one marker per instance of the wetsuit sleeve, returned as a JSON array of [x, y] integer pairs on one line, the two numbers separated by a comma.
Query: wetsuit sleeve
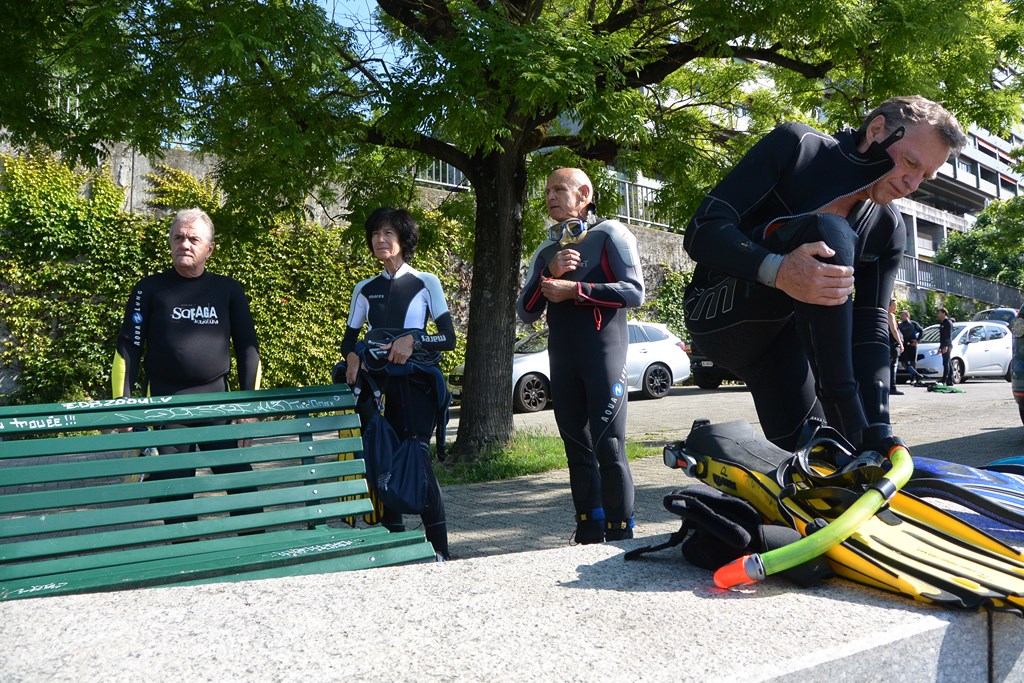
[[532, 302], [444, 340], [357, 312], [620, 258], [243, 337], [124, 371], [714, 237]]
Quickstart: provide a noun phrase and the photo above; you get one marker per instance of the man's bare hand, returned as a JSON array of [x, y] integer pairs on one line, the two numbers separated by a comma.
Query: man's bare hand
[[805, 278], [564, 261], [558, 290]]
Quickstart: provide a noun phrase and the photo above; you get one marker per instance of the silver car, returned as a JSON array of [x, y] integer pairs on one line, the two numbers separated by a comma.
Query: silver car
[[980, 349], [655, 360]]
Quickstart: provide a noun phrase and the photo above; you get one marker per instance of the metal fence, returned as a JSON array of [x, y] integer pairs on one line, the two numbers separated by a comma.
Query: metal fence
[[443, 175], [635, 206], [927, 275]]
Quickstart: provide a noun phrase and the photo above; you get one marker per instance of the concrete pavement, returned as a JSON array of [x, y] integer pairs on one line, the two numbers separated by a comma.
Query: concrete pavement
[[520, 604], [536, 513]]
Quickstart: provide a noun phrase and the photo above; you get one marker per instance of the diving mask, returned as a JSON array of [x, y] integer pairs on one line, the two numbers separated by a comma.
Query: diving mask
[[568, 232]]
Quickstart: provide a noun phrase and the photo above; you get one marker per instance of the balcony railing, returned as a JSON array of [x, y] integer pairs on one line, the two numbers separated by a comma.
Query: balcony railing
[[635, 206], [440, 174], [929, 275]]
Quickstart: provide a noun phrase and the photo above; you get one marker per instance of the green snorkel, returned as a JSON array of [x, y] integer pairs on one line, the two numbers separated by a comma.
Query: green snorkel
[[756, 567]]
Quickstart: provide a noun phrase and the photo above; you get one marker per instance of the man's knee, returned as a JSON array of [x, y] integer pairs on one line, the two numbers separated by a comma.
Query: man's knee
[[829, 228]]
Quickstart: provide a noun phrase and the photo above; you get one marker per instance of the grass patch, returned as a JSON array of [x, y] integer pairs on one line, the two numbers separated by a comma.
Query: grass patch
[[529, 453]]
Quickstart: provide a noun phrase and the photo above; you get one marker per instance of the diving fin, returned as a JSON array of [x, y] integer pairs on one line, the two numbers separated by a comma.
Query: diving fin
[[912, 548], [995, 491]]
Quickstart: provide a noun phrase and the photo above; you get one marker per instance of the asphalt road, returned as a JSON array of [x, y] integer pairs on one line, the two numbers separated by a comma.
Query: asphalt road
[[975, 427]]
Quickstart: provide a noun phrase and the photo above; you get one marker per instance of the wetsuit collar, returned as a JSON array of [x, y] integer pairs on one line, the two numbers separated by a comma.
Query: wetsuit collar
[[402, 270]]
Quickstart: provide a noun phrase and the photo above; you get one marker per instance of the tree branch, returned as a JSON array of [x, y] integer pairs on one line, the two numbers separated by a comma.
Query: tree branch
[[604, 149], [429, 19], [679, 54], [423, 144]]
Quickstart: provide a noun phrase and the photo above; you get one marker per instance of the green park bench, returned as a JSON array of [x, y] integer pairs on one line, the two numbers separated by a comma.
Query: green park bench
[[75, 518]]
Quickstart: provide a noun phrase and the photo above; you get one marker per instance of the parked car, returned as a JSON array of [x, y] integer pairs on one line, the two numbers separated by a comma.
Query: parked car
[[980, 349], [706, 374], [655, 360], [1017, 364], [999, 315]]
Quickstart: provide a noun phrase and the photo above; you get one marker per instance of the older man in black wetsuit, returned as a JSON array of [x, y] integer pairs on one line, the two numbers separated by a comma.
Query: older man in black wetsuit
[[782, 242], [586, 275], [181, 324]]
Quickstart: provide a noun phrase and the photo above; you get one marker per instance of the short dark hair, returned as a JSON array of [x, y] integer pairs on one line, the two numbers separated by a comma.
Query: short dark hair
[[402, 222], [942, 310], [913, 110]]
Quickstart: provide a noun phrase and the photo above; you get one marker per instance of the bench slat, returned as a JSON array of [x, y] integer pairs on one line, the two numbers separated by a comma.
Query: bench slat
[[172, 437], [210, 565], [124, 466], [405, 554], [128, 514], [120, 538], [133, 416], [114, 493], [285, 537], [77, 407]]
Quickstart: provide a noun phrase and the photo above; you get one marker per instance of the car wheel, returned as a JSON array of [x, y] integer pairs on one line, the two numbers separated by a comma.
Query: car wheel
[[532, 393], [957, 370], [705, 382], [657, 381]]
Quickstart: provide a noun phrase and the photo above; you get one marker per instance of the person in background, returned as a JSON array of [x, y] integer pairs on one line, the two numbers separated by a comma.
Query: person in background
[[911, 333], [402, 300], [895, 348], [586, 276], [946, 345]]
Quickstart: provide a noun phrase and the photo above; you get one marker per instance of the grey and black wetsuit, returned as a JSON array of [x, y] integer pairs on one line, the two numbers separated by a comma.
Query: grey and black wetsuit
[[407, 301], [768, 205], [587, 350]]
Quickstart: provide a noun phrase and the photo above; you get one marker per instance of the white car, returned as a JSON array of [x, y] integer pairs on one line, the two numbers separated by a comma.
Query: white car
[[980, 349], [655, 360]]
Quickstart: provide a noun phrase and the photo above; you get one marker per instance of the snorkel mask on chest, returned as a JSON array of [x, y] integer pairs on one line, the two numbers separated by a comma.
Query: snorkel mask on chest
[[571, 231], [568, 232]]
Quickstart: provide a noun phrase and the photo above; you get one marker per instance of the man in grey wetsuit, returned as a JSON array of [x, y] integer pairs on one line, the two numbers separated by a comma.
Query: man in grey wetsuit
[[586, 274]]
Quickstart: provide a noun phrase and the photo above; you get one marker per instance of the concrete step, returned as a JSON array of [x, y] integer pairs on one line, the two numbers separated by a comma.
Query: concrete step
[[567, 614]]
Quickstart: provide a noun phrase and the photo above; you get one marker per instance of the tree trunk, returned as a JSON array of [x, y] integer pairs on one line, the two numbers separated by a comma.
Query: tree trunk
[[485, 417]]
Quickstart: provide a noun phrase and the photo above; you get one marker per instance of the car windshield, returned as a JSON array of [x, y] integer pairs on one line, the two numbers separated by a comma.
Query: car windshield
[[535, 343], [1003, 315], [931, 334]]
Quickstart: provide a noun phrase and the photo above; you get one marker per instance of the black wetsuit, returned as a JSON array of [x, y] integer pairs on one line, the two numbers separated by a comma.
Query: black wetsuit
[[911, 332], [769, 204], [406, 302], [181, 331], [587, 351], [946, 342]]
